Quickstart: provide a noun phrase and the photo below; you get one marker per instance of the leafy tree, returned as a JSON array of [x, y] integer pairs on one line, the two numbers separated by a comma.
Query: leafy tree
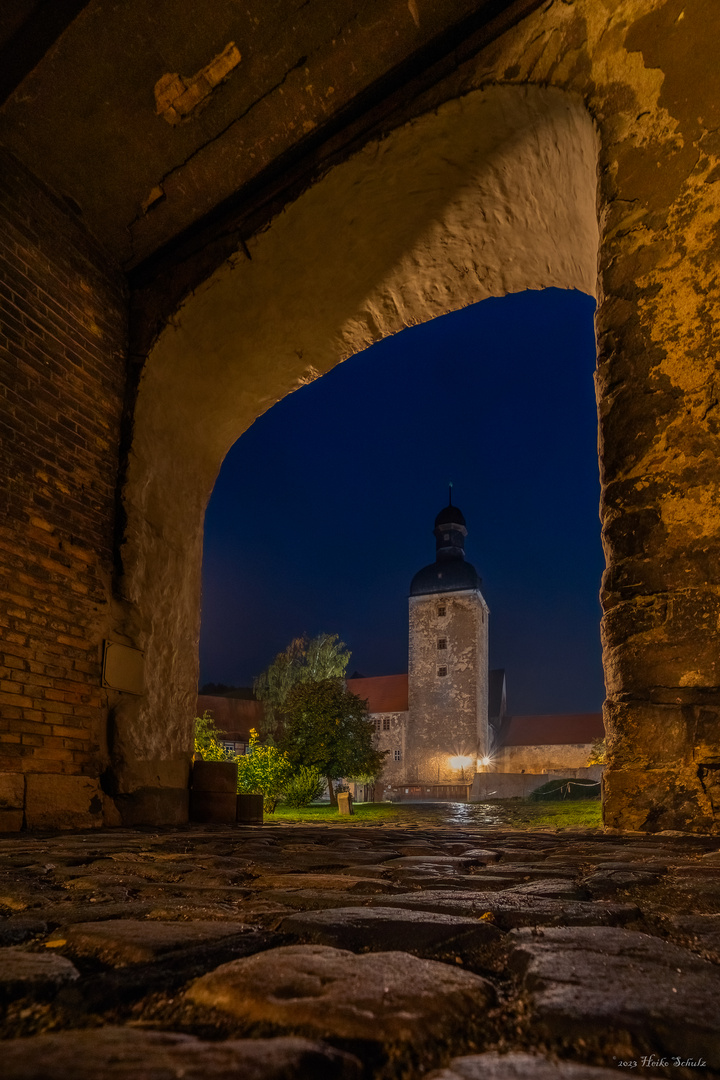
[[598, 752], [207, 739], [304, 660], [329, 727], [367, 777], [306, 785], [265, 771]]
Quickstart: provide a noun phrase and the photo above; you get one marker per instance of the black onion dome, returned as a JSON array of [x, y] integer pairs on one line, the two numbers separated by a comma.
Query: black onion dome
[[449, 572], [450, 516], [441, 577]]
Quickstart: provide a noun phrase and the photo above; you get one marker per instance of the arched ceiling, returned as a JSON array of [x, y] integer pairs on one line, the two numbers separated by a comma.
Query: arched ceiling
[[91, 108], [491, 193]]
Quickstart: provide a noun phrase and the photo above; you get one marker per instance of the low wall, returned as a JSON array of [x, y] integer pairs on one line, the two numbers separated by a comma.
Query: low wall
[[426, 792], [519, 785], [555, 757]]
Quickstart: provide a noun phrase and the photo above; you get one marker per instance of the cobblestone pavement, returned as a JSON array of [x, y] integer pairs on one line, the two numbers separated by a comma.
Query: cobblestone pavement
[[342, 952]]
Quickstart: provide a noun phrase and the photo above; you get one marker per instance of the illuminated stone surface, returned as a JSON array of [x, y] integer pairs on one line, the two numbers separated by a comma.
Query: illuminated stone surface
[[386, 997], [340, 882], [461, 979], [356, 173], [510, 908], [131, 941], [615, 985], [517, 1067], [28, 974], [126, 1054], [383, 928]]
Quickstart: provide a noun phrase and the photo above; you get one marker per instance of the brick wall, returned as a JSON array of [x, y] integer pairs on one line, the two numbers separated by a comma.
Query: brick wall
[[62, 346]]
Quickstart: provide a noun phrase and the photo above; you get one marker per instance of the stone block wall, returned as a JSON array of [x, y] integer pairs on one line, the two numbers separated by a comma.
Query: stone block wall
[[62, 364], [448, 713], [519, 785], [390, 739], [534, 759], [627, 94]]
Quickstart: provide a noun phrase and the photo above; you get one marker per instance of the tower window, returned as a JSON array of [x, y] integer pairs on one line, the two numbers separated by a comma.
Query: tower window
[[442, 643], [398, 755], [442, 671], [446, 536], [378, 723], [386, 723], [441, 610]]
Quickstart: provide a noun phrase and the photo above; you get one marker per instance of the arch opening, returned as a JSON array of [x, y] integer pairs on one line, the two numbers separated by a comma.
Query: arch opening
[[321, 517], [492, 193], [322, 511]]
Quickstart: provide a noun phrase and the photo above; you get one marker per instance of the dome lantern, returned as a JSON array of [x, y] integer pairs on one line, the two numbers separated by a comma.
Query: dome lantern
[[450, 571]]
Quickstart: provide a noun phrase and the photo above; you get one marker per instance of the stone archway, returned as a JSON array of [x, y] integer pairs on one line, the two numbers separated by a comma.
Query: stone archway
[[492, 193]]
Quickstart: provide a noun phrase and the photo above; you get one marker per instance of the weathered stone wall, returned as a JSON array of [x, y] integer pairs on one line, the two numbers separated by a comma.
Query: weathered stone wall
[[480, 185], [478, 181], [390, 740], [447, 714], [518, 785], [62, 338], [648, 74], [491, 193], [534, 759]]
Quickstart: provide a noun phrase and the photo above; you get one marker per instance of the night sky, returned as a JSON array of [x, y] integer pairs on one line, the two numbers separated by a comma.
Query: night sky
[[324, 509]]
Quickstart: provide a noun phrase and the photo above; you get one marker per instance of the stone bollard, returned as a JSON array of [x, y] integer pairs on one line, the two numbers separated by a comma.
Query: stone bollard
[[213, 792], [345, 806]]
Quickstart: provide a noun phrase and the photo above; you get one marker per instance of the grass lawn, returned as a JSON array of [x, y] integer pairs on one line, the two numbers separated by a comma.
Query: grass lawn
[[566, 814], [516, 813], [364, 814]]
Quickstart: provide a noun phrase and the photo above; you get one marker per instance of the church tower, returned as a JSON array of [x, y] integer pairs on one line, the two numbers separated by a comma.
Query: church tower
[[447, 727]]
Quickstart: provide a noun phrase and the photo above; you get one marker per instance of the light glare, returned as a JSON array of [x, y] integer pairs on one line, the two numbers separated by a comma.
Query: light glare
[[460, 762]]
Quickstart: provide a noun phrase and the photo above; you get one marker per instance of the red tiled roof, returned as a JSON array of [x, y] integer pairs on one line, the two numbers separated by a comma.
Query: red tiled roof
[[233, 716], [553, 730], [384, 693]]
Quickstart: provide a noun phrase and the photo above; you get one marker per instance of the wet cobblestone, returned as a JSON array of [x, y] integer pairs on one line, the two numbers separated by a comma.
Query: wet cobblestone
[[442, 942]]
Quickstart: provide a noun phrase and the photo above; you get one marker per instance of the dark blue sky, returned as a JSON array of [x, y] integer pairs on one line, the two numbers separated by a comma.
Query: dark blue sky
[[324, 509]]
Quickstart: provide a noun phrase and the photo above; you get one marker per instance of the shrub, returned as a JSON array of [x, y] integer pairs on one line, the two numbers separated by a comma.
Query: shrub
[[598, 752], [555, 790], [265, 771], [306, 784], [207, 740]]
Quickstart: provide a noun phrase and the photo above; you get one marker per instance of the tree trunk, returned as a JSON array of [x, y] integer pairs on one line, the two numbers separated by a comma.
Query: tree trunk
[[331, 791]]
